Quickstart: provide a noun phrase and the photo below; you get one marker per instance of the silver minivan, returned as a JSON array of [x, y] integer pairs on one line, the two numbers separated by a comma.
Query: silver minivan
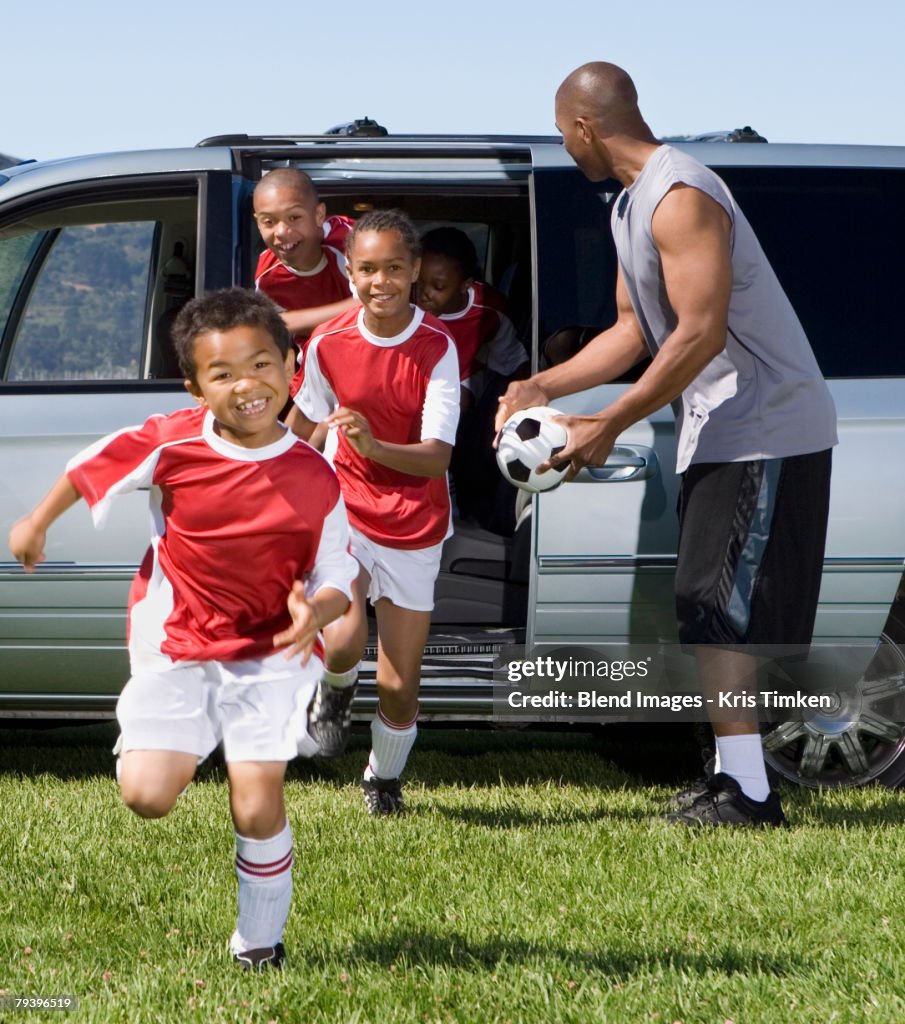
[[98, 253]]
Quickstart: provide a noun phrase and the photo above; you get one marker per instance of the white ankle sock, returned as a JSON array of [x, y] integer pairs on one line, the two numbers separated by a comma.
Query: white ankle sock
[[390, 747], [742, 757], [264, 868], [340, 680]]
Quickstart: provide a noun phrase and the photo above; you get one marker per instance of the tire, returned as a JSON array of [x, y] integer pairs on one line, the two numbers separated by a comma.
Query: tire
[[861, 741]]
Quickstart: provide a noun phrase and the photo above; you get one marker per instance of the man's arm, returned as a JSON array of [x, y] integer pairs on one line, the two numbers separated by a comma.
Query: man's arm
[[692, 234], [605, 357]]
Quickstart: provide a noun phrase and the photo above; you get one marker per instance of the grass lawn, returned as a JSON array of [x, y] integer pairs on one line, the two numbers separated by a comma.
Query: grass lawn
[[530, 882]]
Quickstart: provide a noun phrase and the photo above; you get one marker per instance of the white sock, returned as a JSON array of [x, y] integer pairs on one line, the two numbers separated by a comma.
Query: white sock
[[340, 680], [264, 868], [742, 757], [390, 747]]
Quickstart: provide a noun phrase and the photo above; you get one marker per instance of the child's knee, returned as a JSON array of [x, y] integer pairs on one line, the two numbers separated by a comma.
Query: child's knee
[[258, 818], [147, 801], [344, 641], [398, 700], [150, 782]]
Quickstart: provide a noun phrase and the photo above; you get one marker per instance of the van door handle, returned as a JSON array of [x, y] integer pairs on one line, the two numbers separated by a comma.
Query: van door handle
[[627, 462]]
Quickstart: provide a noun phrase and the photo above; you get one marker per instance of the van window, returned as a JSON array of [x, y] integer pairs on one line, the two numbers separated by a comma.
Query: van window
[[834, 238], [16, 254], [85, 315], [576, 263], [87, 291]]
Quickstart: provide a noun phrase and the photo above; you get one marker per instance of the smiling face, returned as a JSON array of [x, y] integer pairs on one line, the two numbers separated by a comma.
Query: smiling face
[[291, 222], [244, 380], [442, 286], [383, 270]]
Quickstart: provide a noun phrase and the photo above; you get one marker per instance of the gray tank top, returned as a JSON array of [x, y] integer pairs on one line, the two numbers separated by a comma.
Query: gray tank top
[[763, 396]]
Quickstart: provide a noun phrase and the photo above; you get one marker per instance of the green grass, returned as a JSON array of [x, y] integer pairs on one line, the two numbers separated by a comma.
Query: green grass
[[527, 884]]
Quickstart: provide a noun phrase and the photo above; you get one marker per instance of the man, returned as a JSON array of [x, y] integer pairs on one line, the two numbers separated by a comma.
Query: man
[[755, 420]]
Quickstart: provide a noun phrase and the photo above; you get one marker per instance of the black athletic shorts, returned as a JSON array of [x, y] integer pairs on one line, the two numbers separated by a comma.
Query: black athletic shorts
[[751, 544]]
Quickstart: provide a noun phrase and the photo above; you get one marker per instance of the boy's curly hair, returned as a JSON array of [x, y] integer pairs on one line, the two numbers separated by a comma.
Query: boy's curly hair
[[222, 311]]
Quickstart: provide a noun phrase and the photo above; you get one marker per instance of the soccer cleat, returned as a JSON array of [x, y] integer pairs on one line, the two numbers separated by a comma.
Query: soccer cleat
[[383, 797], [261, 959], [330, 717], [723, 803]]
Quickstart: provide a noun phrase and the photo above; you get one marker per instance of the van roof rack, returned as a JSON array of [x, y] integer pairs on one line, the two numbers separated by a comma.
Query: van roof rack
[[365, 129], [746, 134]]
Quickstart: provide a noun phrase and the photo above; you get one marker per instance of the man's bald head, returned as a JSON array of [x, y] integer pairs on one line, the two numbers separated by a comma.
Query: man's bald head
[[604, 94]]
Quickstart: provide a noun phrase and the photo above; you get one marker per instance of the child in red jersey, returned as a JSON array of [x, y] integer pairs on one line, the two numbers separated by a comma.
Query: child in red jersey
[[303, 268], [484, 335], [386, 377], [490, 355], [249, 554]]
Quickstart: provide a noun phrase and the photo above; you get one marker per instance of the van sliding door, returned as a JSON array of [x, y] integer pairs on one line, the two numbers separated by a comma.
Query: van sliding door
[[605, 544]]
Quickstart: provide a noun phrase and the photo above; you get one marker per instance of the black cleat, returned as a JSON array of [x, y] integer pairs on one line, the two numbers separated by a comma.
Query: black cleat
[[261, 959], [686, 797], [723, 803], [383, 797], [330, 717]]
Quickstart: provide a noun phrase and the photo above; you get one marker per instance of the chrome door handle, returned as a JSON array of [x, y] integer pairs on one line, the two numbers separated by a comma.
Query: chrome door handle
[[627, 462]]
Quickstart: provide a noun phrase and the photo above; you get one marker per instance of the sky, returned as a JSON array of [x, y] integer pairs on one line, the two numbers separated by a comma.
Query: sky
[[100, 76]]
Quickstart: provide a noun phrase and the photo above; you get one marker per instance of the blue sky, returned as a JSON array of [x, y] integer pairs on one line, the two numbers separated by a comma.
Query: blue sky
[[98, 76]]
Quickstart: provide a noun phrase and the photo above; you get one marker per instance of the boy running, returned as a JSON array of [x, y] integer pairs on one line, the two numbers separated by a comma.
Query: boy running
[[248, 555]]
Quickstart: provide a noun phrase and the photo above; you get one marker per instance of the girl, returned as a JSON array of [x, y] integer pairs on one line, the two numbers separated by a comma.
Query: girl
[[385, 376]]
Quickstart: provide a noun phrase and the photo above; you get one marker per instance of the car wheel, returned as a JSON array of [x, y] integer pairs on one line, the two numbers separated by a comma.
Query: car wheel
[[860, 741]]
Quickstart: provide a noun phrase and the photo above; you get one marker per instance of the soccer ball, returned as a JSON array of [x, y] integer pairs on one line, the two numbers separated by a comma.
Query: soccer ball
[[527, 439]]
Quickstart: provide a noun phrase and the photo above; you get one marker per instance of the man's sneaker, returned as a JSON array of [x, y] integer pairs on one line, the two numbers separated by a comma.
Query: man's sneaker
[[261, 959], [382, 796], [686, 797], [330, 717], [723, 803]]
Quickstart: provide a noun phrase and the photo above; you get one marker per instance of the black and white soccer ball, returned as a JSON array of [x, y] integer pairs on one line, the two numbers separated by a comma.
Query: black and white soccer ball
[[528, 438]]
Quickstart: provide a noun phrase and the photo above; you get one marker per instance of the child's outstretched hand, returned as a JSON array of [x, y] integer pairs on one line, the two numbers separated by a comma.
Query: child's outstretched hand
[[302, 634], [355, 428], [26, 541]]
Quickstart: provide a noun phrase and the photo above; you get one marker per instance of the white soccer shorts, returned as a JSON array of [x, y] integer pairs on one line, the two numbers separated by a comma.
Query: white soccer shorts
[[406, 577], [258, 715]]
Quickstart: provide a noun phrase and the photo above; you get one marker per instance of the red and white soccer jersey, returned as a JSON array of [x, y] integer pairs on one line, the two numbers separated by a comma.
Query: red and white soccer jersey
[[232, 529], [484, 337], [291, 289], [304, 289], [336, 230], [407, 387]]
